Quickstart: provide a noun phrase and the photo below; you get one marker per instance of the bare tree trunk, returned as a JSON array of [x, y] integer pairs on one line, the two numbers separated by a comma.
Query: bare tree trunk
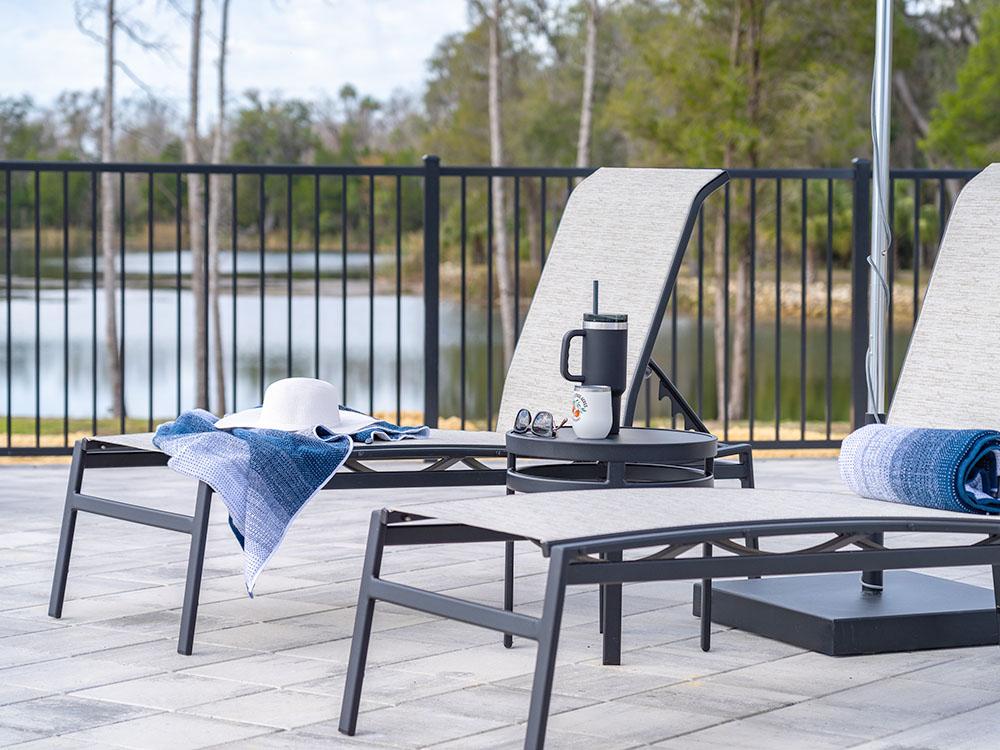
[[719, 265], [502, 250], [109, 272], [587, 101], [738, 394], [214, 217], [196, 218]]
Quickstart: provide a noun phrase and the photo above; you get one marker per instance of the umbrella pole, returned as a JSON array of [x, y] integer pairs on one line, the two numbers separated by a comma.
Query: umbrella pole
[[878, 292], [881, 231]]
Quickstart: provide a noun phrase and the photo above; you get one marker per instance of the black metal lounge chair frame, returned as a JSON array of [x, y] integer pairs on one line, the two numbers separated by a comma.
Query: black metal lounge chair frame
[[599, 560], [93, 453]]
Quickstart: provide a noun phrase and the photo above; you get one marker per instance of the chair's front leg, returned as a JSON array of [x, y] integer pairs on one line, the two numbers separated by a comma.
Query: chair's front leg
[[362, 627], [196, 563], [611, 617], [996, 591], [545, 658], [61, 573], [508, 587], [508, 564]]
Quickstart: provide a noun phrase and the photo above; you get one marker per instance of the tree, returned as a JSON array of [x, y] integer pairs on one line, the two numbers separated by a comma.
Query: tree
[[716, 82], [965, 126], [139, 34], [196, 216], [494, 20], [214, 215], [593, 9], [108, 261]]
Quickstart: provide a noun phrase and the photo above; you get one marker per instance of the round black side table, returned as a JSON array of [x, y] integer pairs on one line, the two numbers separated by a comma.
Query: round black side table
[[636, 457]]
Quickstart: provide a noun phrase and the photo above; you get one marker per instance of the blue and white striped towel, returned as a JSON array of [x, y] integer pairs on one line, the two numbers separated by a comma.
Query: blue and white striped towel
[[933, 468], [265, 477]]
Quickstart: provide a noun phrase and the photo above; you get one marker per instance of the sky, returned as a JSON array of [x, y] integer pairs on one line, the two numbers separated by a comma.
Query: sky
[[302, 48]]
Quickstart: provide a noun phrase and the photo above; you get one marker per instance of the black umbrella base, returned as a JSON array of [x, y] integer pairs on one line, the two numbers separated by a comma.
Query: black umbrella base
[[831, 615]]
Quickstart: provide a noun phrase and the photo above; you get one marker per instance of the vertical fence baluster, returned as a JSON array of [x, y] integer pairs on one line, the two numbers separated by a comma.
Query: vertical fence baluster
[[700, 383], [65, 279], [803, 302], [371, 294], [917, 196], [8, 259], [149, 305], [489, 303], [121, 254], [517, 257], [288, 273], [432, 289], [777, 310], [206, 370], [942, 216], [891, 251], [399, 294], [262, 228], [829, 307], [234, 280], [544, 212], [343, 287], [752, 369], [178, 280], [725, 317], [462, 336], [316, 241], [38, 312], [673, 349]]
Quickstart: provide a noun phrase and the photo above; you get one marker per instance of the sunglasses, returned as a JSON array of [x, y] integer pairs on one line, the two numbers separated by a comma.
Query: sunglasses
[[542, 425]]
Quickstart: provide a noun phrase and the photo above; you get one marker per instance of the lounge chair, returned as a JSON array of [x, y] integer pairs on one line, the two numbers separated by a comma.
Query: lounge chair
[[586, 536], [626, 227], [946, 381]]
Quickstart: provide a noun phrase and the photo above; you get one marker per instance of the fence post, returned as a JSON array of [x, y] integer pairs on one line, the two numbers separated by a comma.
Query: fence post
[[432, 296], [861, 242]]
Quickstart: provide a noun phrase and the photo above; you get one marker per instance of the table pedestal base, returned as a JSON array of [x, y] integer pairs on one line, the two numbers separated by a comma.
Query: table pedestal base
[[830, 614]]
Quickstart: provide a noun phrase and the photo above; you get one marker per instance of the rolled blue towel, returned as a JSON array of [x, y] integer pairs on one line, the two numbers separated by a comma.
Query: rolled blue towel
[[945, 469]]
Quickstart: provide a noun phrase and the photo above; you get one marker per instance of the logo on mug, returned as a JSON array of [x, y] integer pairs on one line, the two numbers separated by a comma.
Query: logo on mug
[[580, 405]]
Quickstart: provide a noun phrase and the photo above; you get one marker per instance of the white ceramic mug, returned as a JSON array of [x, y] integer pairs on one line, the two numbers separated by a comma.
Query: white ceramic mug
[[591, 411]]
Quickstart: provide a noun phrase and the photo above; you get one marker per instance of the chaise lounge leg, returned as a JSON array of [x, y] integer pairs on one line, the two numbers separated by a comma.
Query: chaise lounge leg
[[706, 606], [58, 593], [362, 628], [611, 617], [196, 563], [746, 461], [996, 590], [545, 658], [508, 587]]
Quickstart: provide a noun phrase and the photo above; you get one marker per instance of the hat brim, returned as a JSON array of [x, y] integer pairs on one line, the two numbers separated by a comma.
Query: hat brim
[[350, 422]]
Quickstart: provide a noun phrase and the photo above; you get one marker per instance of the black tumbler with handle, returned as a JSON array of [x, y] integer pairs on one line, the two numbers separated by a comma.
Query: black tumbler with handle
[[605, 348]]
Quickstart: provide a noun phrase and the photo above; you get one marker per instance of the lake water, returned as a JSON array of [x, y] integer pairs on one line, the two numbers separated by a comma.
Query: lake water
[[164, 353]]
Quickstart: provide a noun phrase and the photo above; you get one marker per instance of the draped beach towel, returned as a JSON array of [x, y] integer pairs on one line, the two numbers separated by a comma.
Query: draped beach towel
[[933, 468], [264, 477]]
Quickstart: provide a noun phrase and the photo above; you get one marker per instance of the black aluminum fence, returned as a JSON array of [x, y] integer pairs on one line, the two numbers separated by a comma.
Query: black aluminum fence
[[385, 280]]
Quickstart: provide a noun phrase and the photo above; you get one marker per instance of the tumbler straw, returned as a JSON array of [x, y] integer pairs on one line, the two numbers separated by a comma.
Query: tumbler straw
[[595, 296]]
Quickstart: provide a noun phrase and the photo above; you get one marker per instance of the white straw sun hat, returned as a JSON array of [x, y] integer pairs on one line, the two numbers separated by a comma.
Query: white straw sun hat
[[295, 404]]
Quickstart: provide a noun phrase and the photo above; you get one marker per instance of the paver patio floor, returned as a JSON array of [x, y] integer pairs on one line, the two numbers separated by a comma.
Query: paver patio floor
[[268, 672]]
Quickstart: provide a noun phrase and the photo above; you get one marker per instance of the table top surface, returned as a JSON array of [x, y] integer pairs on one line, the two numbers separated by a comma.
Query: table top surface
[[630, 444]]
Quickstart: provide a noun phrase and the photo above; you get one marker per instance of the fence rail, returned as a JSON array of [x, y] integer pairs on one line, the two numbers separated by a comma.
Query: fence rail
[[385, 279]]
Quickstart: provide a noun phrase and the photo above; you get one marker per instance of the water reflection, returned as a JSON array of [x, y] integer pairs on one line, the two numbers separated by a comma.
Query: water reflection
[[159, 368]]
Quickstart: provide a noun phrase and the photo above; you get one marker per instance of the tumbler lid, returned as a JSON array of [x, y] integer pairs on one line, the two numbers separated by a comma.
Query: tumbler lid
[[605, 320]]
